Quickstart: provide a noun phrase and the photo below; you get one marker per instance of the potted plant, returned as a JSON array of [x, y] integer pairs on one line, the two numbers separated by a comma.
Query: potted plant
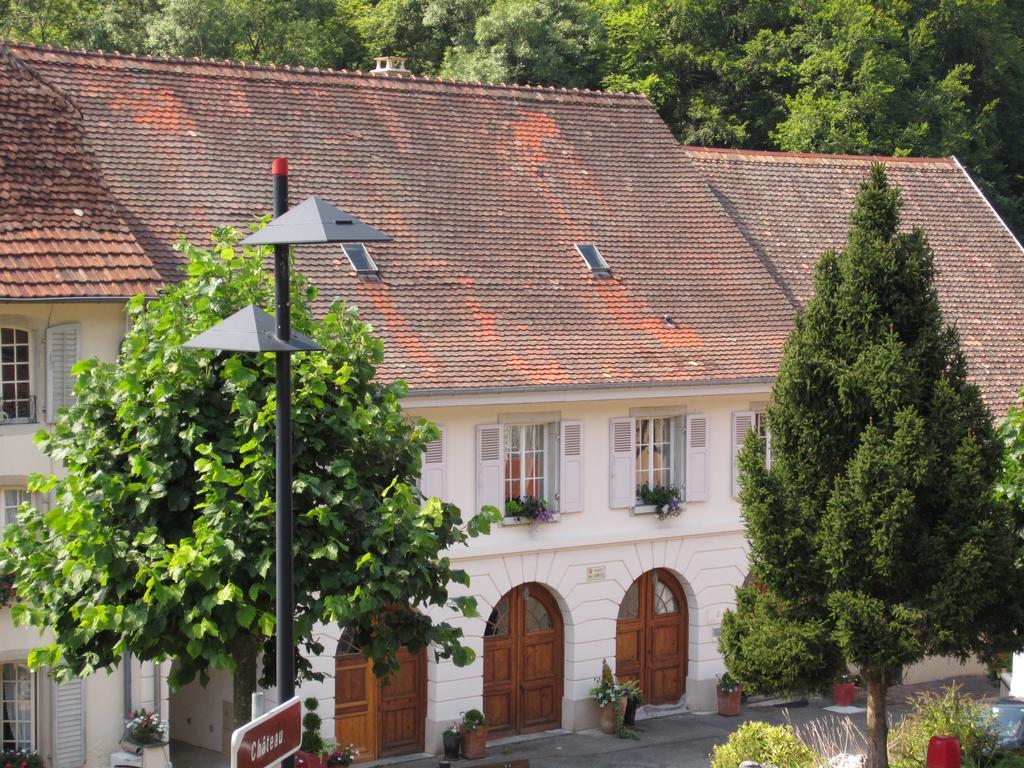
[[452, 741], [532, 508], [611, 699], [22, 758], [341, 758], [665, 498], [312, 748], [844, 690], [148, 733], [634, 700], [728, 694], [474, 734]]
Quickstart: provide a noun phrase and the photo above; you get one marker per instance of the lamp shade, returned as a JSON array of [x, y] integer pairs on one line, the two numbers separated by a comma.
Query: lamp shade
[[315, 221], [250, 330]]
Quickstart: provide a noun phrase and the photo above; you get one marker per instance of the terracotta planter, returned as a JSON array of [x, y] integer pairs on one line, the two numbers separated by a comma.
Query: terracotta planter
[[844, 693], [474, 743], [729, 703], [607, 718]]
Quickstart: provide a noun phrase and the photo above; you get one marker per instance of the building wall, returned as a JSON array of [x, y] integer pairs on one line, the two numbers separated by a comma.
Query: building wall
[[101, 327]]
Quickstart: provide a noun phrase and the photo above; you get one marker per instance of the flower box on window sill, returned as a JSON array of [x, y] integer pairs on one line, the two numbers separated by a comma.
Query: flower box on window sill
[[644, 509], [522, 520]]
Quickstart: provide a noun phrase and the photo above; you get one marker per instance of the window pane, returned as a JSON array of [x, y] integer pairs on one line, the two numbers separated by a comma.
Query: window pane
[[16, 706], [630, 607], [497, 622], [664, 600], [537, 616]]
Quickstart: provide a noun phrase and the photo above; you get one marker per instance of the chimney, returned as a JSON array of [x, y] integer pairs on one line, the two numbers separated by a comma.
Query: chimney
[[390, 65]]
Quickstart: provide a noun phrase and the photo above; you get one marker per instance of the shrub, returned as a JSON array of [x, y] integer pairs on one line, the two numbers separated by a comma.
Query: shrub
[[949, 713], [312, 742], [764, 743]]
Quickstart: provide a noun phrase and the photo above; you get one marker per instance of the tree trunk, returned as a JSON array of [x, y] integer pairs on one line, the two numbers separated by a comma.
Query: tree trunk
[[246, 653], [878, 725]]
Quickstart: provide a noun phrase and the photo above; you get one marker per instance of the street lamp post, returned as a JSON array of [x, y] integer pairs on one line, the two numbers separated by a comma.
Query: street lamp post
[[249, 330]]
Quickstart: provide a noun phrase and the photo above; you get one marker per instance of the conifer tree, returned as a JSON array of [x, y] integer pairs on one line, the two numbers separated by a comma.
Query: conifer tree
[[876, 539]]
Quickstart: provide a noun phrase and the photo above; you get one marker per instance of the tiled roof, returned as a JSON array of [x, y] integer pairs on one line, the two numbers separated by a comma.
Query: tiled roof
[[61, 235], [792, 207], [484, 189]]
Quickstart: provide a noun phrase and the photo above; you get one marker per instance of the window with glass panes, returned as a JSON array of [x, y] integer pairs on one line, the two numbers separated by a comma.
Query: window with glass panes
[[12, 499], [653, 452], [15, 378], [524, 461], [17, 708]]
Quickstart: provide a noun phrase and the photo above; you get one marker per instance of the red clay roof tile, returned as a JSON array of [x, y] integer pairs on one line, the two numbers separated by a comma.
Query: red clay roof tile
[[61, 234], [484, 189], [792, 207]]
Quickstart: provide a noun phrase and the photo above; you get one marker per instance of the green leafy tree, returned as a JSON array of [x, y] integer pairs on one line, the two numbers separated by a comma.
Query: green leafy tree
[[875, 535], [161, 538], [555, 42]]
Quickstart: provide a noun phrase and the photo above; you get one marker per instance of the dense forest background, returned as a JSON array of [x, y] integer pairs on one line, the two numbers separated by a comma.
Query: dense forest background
[[917, 77]]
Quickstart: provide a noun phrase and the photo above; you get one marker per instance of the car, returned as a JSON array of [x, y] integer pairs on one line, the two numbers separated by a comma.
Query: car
[[1009, 721]]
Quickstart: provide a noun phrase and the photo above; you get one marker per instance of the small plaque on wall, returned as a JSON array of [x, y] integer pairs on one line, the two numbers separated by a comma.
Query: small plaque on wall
[[595, 573]]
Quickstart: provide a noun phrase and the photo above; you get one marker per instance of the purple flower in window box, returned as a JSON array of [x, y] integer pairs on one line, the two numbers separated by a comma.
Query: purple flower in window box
[[665, 498], [531, 507]]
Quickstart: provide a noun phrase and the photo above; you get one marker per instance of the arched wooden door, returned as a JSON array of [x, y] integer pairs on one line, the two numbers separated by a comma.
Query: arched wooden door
[[650, 637], [380, 719], [523, 662]]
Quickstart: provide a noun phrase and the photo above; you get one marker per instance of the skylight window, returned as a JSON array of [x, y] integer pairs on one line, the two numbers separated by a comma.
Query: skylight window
[[361, 262], [594, 259]]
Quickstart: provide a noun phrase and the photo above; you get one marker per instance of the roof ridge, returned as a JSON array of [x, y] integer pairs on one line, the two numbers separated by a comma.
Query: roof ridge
[[14, 47], [797, 156], [8, 56]]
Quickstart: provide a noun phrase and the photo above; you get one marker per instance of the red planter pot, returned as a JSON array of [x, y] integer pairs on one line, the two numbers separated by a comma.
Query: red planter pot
[[844, 693], [474, 743], [729, 703], [308, 760]]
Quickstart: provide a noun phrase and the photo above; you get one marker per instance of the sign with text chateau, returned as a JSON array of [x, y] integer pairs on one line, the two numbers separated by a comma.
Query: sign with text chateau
[[268, 739]]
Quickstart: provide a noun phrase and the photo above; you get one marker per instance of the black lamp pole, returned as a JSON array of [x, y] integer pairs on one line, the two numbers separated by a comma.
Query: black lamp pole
[[283, 516], [249, 330]]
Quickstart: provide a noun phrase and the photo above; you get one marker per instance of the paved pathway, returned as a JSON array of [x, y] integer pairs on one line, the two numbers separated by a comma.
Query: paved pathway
[[678, 741]]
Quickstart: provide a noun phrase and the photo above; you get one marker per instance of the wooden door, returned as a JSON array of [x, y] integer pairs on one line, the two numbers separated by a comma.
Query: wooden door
[[403, 707], [523, 669], [380, 719], [650, 637]]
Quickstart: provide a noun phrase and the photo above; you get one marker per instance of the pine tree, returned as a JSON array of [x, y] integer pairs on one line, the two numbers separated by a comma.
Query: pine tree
[[875, 536]]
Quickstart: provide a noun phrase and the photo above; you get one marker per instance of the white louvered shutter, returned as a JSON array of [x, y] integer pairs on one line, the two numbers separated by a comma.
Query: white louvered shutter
[[490, 466], [622, 439], [570, 475], [61, 355], [742, 422], [432, 473], [69, 724], [696, 458]]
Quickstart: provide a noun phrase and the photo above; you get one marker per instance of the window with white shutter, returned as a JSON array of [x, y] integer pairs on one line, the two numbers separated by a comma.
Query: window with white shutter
[[17, 707], [490, 466], [696, 458], [61, 355], [69, 724], [570, 475], [743, 422], [432, 471], [622, 472], [17, 403]]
